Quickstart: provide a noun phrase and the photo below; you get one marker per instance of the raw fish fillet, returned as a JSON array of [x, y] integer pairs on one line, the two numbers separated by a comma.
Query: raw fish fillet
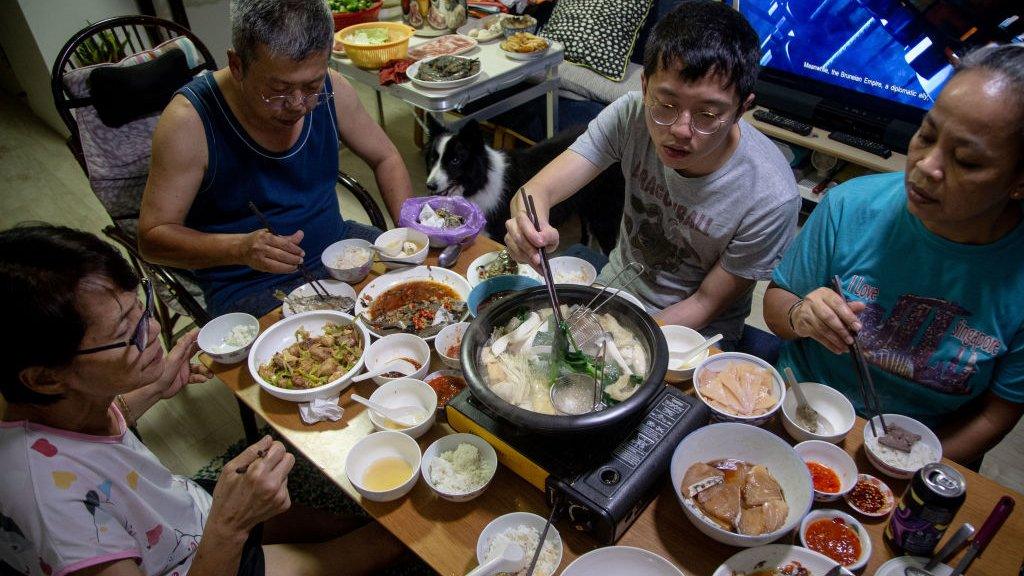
[[760, 487], [762, 519], [699, 477], [775, 513], [741, 389], [721, 501]]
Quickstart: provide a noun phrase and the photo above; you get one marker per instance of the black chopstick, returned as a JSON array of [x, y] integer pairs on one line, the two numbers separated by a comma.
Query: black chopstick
[[860, 364], [544, 264], [318, 288]]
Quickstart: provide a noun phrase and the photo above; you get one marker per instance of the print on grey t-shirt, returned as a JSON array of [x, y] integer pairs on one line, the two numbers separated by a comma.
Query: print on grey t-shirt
[[743, 215]]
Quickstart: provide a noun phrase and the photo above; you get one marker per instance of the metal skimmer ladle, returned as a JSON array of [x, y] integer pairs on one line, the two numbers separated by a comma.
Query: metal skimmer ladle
[[576, 393], [583, 323]]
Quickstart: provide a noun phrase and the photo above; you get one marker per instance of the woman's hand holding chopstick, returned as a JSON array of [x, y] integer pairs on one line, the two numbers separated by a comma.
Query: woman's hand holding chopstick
[[825, 317]]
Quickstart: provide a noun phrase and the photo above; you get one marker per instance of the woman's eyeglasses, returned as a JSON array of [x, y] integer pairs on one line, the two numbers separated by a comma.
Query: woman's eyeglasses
[[706, 123], [140, 336]]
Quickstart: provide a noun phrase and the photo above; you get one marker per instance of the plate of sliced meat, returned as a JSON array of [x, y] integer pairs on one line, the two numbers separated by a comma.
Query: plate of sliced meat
[[444, 45]]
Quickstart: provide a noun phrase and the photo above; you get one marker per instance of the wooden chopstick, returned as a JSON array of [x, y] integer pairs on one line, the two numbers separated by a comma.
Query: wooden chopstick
[[556, 308], [315, 284], [860, 364]]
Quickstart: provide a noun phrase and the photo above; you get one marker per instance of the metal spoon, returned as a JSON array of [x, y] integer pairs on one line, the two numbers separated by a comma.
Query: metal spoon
[[947, 550], [807, 417], [450, 255]]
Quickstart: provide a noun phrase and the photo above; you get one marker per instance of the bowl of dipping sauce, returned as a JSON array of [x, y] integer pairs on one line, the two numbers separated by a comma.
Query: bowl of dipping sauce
[[833, 471], [449, 343], [837, 535], [446, 384], [870, 497], [384, 466], [408, 347], [401, 393]]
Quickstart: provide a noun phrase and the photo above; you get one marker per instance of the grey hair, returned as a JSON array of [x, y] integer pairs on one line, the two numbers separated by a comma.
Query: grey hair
[[292, 28], [1007, 61]]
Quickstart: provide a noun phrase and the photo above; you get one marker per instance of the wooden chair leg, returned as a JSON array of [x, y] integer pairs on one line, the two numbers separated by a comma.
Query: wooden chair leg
[[252, 432]]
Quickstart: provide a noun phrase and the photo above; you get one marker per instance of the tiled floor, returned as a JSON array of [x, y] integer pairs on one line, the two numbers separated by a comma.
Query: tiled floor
[[42, 182]]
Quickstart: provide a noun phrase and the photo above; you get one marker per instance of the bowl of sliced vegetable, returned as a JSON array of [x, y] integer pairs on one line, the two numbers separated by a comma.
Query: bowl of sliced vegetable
[[349, 12]]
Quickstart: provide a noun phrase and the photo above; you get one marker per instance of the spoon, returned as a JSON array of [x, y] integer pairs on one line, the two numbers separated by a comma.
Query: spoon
[[450, 255], [398, 365], [686, 355], [406, 416], [807, 417], [512, 559]]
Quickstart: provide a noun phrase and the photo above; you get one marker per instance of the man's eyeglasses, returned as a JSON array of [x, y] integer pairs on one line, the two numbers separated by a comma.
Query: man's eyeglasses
[[307, 101], [706, 123], [140, 336]]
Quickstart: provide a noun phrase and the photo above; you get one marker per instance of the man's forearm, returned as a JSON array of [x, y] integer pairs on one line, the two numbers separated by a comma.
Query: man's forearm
[[182, 247], [692, 312], [393, 181]]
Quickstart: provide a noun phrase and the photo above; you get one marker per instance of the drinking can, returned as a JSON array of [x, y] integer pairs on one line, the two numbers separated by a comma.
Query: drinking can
[[926, 509]]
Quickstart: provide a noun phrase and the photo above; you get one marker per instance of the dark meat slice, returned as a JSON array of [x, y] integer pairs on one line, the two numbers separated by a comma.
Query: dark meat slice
[[899, 438], [760, 487]]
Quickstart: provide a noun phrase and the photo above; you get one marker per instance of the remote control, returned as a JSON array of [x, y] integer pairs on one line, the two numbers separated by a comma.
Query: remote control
[[862, 143], [769, 117]]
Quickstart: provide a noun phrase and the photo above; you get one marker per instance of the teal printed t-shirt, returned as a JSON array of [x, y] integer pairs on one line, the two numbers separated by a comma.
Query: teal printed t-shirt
[[943, 322]]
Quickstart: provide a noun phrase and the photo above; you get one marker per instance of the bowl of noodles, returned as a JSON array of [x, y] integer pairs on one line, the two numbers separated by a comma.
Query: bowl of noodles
[[508, 361], [309, 355]]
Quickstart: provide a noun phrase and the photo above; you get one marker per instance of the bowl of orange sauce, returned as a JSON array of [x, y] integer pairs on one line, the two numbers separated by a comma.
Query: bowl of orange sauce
[[837, 535], [833, 471]]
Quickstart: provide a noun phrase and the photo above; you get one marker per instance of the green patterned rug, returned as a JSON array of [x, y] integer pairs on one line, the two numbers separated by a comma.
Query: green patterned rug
[[310, 487]]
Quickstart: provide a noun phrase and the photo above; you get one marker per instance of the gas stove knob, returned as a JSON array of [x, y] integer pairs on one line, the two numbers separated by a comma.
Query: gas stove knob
[[580, 517]]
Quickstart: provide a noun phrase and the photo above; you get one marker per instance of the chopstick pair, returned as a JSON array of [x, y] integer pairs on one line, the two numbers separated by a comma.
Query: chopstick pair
[[531, 210], [864, 380], [308, 276]]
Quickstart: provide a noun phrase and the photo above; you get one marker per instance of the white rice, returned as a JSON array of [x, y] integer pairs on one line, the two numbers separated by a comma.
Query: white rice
[[459, 471], [238, 337], [352, 257], [919, 455], [527, 537]]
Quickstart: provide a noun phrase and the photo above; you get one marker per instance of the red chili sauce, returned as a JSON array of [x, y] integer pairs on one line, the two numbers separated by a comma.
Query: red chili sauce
[[446, 387], [833, 538], [825, 479], [867, 497]]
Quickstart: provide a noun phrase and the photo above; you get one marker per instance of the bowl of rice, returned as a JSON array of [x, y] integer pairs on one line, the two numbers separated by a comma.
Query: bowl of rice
[[524, 529], [459, 467], [348, 260], [227, 338], [896, 463]]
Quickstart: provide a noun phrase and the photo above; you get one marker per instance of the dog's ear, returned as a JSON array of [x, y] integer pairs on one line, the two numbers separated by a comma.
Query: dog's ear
[[434, 128], [471, 134]]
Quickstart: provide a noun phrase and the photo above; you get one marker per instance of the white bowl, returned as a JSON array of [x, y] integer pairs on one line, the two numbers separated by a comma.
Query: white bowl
[[628, 296], [890, 498], [449, 443], [333, 287], [750, 444], [718, 362], [282, 335], [928, 439], [830, 403], [212, 337], [862, 534], [473, 271], [381, 284], [382, 445], [777, 556], [405, 392], [397, 236], [572, 270], [835, 458], [355, 275], [511, 520], [681, 339], [624, 560], [394, 347], [441, 403], [446, 338], [414, 69]]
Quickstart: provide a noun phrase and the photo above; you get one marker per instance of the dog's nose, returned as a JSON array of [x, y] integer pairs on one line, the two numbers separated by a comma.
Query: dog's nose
[[431, 186]]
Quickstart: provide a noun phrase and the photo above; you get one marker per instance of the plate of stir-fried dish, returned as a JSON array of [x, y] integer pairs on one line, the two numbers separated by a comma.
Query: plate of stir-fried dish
[[418, 301], [309, 355]]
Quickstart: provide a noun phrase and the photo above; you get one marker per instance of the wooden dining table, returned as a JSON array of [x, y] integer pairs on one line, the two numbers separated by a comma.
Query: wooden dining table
[[444, 534]]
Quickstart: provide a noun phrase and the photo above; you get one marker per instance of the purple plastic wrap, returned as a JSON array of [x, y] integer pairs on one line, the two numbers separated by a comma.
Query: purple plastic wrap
[[409, 218]]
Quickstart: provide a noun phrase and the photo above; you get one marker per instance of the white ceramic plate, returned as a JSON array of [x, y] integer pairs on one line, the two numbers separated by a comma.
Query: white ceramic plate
[[474, 24], [621, 560], [444, 85], [776, 556], [449, 44], [383, 283], [898, 565], [526, 55], [333, 287], [473, 275]]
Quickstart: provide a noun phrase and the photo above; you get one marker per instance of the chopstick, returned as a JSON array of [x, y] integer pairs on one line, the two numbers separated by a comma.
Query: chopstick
[[556, 307], [243, 469], [860, 364], [315, 284]]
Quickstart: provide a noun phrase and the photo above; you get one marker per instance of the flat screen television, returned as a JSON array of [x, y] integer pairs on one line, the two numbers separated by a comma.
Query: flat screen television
[[868, 67]]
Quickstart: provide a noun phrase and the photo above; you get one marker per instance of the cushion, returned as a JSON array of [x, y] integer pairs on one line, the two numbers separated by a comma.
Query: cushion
[[580, 82], [598, 34], [657, 12], [117, 159], [121, 94]]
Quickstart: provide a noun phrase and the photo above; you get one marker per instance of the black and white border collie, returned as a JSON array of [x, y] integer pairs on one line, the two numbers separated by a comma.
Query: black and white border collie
[[462, 163]]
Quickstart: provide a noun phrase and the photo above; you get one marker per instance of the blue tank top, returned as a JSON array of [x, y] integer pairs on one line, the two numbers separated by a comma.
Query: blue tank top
[[293, 188]]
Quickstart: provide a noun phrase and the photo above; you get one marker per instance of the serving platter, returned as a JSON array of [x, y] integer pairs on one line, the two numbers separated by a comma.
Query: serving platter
[[382, 284], [414, 69], [447, 45]]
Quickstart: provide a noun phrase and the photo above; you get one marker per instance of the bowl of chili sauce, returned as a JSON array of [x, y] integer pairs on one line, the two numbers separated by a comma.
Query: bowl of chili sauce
[[837, 535], [833, 471], [447, 384], [871, 497]]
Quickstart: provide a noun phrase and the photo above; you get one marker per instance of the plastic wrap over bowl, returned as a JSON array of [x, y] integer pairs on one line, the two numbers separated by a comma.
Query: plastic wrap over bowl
[[440, 237]]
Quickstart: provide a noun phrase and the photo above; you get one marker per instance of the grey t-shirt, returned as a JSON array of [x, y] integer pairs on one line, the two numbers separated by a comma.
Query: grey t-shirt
[[744, 214]]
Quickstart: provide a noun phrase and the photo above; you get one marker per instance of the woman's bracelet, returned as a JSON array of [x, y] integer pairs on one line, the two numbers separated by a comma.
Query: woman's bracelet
[[789, 314], [125, 410]]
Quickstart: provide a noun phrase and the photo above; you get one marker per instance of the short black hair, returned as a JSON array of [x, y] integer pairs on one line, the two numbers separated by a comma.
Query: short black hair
[[706, 37], [41, 268]]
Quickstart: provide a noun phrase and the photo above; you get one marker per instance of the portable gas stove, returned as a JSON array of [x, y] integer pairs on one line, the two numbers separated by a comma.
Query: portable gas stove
[[602, 490]]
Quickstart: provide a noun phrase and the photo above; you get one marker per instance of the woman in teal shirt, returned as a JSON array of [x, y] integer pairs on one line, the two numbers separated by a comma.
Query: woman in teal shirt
[[931, 263]]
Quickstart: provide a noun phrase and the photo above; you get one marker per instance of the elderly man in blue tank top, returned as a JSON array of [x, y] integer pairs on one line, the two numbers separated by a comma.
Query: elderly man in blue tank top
[[266, 129]]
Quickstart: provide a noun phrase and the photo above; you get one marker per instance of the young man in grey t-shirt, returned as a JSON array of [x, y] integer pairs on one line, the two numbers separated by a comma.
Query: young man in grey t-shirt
[[710, 202]]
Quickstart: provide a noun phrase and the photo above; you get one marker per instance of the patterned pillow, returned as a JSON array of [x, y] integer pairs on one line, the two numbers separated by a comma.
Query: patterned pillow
[[598, 34]]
